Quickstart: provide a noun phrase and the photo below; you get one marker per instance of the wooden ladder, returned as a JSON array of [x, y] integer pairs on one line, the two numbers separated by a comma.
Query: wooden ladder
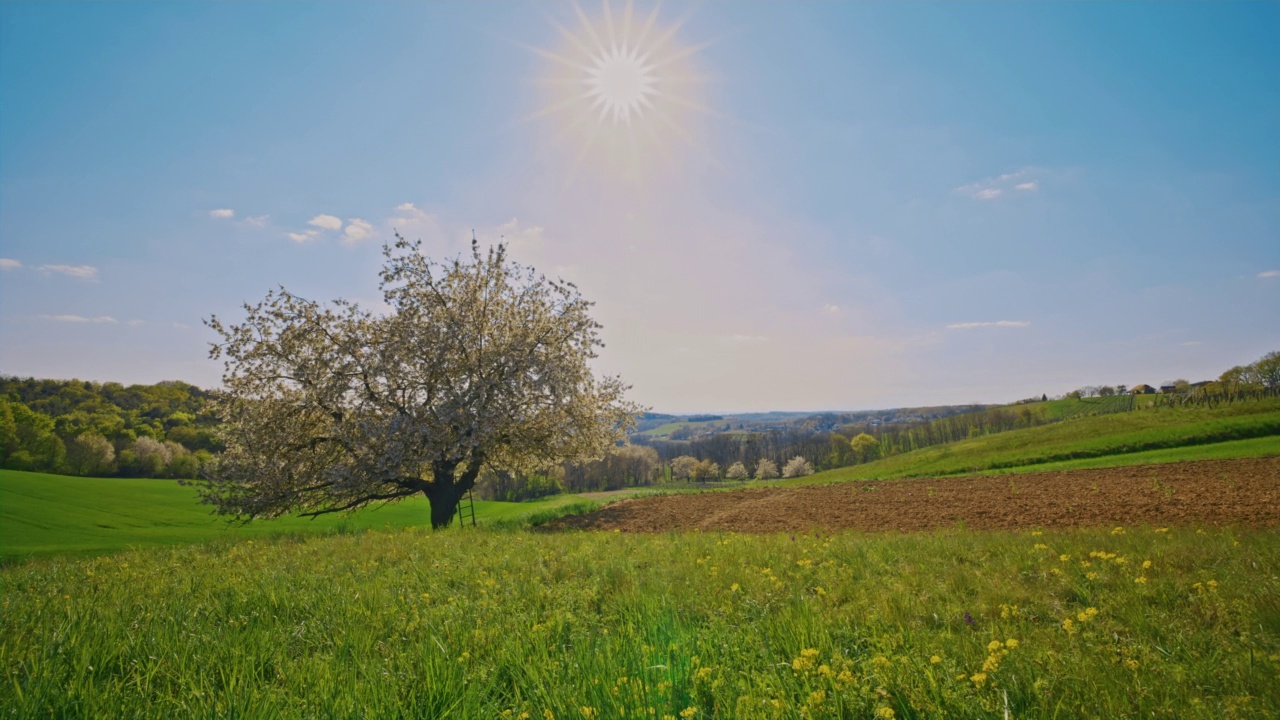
[[467, 509]]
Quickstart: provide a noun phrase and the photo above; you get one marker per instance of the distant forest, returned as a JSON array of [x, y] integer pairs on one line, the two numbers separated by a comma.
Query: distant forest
[[105, 429]]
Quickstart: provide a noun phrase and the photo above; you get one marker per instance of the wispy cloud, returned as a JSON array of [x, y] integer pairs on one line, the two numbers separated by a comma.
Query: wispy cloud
[[301, 237], [326, 222], [222, 213], [135, 322], [986, 324], [1269, 274], [9, 264], [995, 187], [1192, 343], [84, 272], [80, 318], [258, 221], [356, 231]]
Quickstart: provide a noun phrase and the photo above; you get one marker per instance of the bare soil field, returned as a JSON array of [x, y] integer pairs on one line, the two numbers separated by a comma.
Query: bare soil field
[[1212, 492]]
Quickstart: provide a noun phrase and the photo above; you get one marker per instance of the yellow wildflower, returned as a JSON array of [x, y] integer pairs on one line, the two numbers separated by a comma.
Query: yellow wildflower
[[734, 587], [1011, 643], [809, 653], [1091, 575], [1068, 625], [1118, 531], [993, 646], [845, 677], [886, 712], [979, 679], [817, 697], [1131, 664], [688, 712], [1141, 580], [935, 660], [1146, 564], [589, 712], [1064, 558]]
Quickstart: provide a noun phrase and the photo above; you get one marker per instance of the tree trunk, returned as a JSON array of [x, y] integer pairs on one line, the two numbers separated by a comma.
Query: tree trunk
[[444, 494], [443, 497], [445, 491]]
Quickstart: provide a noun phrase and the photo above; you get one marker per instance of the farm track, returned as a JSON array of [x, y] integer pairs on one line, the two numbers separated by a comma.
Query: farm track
[[1214, 492]]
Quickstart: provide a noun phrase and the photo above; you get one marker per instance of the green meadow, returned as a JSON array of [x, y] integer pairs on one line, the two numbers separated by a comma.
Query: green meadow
[[44, 514], [126, 598], [1137, 622]]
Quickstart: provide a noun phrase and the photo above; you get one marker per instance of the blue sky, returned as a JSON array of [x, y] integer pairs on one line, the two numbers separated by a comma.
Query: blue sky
[[869, 205]]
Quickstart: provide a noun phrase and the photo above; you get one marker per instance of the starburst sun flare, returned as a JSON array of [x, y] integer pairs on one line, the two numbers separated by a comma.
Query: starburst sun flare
[[622, 88]]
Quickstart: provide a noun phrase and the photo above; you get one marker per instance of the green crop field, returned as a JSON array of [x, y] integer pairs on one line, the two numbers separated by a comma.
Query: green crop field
[[1133, 622], [1245, 429], [47, 514]]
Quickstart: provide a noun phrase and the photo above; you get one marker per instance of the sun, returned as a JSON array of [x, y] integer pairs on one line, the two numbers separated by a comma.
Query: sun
[[622, 89], [621, 83]]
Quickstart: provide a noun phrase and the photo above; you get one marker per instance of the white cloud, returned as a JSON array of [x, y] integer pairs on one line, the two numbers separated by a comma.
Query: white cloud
[[84, 272], [995, 187], [326, 222], [9, 264], [996, 323], [135, 322], [304, 236], [258, 221], [356, 231], [1264, 274], [222, 213], [182, 326], [80, 318], [831, 309]]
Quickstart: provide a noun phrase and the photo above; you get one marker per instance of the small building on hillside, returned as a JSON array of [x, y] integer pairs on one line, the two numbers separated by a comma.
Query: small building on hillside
[[1169, 389], [1143, 389]]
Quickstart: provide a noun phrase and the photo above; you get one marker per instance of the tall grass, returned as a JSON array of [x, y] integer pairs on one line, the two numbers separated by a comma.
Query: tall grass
[[1103, 624]]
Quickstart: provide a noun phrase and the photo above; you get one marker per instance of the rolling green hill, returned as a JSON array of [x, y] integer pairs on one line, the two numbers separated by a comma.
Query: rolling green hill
[[57, 514], [1245, 429]]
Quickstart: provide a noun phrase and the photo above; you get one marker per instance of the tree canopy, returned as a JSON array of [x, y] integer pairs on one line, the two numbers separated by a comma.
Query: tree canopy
[[479, 363]]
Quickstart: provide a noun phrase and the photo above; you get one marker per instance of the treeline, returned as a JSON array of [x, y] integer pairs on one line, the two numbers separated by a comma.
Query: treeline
[[105, 429]]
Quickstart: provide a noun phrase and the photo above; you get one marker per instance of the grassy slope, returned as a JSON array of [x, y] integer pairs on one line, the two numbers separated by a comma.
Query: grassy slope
[[602, 625], [43, 514], [1157, 435]]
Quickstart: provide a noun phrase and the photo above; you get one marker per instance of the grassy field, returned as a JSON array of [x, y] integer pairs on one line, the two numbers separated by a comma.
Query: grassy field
[[1154, 435], [1128, 623], [48, 514]]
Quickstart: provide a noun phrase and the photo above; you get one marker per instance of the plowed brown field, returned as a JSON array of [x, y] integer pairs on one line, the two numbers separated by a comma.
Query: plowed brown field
[[1216, 492]]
